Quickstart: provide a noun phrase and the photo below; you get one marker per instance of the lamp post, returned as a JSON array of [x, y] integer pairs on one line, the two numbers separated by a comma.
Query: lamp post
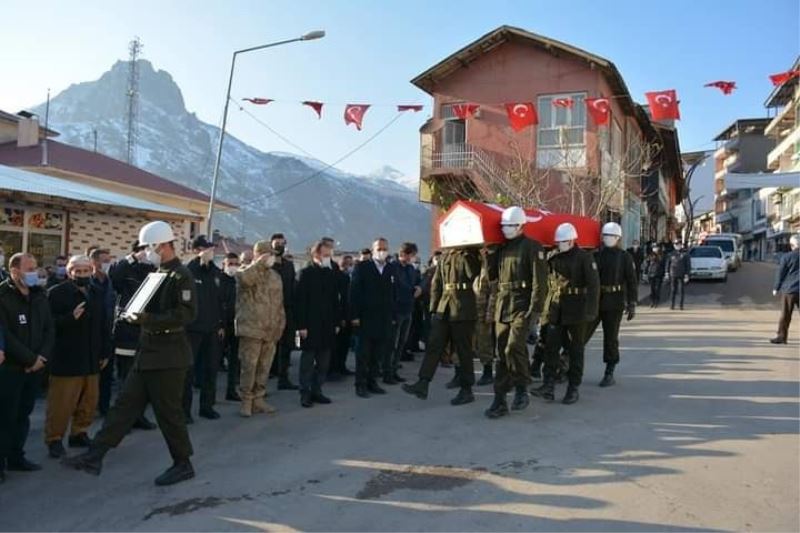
[[688, 200], [307, 37]]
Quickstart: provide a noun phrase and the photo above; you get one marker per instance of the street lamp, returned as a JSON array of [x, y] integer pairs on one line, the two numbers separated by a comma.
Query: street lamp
[[310, 36]]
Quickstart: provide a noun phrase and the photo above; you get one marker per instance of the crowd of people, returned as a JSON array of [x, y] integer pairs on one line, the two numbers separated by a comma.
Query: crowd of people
[[71, 333]]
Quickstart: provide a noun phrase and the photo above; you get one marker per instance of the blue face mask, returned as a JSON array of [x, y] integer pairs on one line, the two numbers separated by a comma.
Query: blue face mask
[[31, 279], [61, 272]]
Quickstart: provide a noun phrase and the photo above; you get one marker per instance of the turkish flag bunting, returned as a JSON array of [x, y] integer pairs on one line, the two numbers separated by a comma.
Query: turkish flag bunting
[[599, 109], [465, 111], [354, 114], [521, 115], [564, 102], [258, 101], [726, 87], [316, 106], [413, 108], [663, 105], [783, 77]]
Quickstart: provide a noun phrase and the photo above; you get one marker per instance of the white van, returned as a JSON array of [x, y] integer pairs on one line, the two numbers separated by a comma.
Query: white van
[[730, 247]]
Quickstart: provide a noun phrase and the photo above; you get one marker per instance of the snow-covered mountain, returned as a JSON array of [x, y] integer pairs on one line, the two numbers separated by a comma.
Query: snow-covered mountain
[[275, 191]]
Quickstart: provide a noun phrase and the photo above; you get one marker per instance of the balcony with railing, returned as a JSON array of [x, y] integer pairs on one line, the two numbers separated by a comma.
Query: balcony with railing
[[461, 162]]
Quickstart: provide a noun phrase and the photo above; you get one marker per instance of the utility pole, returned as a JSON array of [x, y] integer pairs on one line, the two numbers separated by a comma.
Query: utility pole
[[46, 125], [94, 133], [134, 50]]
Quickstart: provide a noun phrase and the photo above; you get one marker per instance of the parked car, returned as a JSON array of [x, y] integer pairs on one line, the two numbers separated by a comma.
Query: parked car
[[730, 250], [708, 262]]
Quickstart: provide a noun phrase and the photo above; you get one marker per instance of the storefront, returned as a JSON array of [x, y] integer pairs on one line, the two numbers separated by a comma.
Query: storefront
[[35, 230]]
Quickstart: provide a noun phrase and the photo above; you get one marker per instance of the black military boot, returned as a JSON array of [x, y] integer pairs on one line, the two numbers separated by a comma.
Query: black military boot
[[521, 399], [463, 397], [90, 461], [180, 471], [318, 397], [144, 423], [81, 440], [536, 370], [608, 378], [499, 407], [571, 396], [488, 376], [55, 449], [374, 388], [546, 391], [305, 399], [418, 389], [456, 381]]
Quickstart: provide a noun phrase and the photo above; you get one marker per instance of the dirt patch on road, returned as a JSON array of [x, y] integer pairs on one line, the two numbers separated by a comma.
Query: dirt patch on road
[[435, 478], [193, 504]]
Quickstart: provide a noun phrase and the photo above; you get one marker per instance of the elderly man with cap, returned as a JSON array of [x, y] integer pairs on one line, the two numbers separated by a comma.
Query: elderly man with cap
[[159, 371], [260, 320]]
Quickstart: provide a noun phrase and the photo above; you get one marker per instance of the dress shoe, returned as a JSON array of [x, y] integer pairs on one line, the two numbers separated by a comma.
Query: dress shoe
[[22, 465], [521, 399], [607, 381], [398, 378], [91, 461], [389, 380], [233, 396], [175, 474], [487, 378], [144, 423], [373, 388], [571, 396], [463, 397], [499, 407], [546, 391], [209, 413], [778, 340], [362, 392], [81, 440], [285, 384], [55, 449], [318, 397], [305, 399], [418, 389]]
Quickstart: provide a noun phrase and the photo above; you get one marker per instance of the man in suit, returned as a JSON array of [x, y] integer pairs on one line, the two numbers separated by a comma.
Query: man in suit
[[372, 309]]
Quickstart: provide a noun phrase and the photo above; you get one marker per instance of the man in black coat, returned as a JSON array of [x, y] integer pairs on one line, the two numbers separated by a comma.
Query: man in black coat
[[283, 352], [206, 332], [318, 314], [82, 349], [372, 308], [679, 266], [342, 349], [29, 334], [637, 253], [231, 341]]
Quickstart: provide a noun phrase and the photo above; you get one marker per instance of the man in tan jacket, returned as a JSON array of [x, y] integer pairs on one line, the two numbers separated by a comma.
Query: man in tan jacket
[[260, 320]]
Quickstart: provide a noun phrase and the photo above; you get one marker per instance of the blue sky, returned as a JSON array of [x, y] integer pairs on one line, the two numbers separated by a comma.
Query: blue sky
[[374, 48]]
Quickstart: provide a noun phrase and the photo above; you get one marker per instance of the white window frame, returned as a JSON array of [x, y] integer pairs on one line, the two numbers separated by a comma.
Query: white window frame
[[27, 230], [563, 154]]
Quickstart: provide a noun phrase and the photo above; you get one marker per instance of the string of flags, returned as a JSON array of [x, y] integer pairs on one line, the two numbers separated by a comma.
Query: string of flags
[[664, 105]]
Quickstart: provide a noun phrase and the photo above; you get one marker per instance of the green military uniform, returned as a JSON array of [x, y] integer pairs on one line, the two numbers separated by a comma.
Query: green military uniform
[[572, 303], [486, 294], [453, 313], [159, 370], [521, 284]]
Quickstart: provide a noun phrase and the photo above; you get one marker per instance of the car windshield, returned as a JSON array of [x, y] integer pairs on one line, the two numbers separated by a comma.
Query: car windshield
[[706, 251], [725, 244]]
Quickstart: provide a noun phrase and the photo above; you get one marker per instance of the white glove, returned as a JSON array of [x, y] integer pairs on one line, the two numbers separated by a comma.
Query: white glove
[[774, 293]]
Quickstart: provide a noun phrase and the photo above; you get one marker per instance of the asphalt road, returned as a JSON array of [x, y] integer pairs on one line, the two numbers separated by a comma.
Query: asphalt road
[[701, 432]]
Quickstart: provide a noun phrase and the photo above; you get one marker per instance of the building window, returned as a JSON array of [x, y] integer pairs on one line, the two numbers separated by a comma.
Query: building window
[[454, 151], [36, 231], [561, 135]]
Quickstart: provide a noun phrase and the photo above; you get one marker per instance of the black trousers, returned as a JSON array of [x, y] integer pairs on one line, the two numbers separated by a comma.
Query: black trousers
[[231, 353], [314, 369], [513, 367], [370, 352], [106, 384], [341, 350], [283, 357], [655, 290], [205, 347], [457, 334], [611, 321], [790, 303], [18, 392], [164, 390], [573, 337], [677, 284]]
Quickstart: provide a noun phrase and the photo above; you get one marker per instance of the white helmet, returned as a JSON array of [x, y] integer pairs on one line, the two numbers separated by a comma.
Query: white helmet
[[794, 240], [156, 233], [566, 232], [513, 216], [612, 228]]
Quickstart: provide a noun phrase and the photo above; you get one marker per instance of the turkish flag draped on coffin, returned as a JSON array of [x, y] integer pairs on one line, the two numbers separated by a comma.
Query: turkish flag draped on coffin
[[475, 224], [663, 105]]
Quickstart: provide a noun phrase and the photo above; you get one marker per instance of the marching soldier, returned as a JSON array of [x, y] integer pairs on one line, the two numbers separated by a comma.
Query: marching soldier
[[160, 367], [484, 340], [453, 316], [618, 294], [522, 289], [571, 304]]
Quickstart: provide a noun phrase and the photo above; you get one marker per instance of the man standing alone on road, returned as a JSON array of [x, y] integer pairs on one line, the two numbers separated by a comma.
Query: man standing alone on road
[[787, 284], [679, 266]]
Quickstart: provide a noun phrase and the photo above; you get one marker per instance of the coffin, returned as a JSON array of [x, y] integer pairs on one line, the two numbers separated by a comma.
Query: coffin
[[475, 224]]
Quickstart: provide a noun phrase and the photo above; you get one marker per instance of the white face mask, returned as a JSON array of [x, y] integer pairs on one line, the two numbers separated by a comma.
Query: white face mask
[[325, 262], [105, 267], [206, 255], [380, 255], [153, 258], [231, 270], [509, 232], [43, 282], [564, 246], [610, 241]]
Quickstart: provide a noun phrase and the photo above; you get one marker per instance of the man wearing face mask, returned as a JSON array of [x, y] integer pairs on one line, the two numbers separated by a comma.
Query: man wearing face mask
[[101, 266], [318, 316], [230, 347], [637, 253], [159, 371], [285, 269], [572, 303], [206, 332], [407, 290], [59, 271], [618, 294], [126, 277], [29, 333], [372, 312], [679, 266], [82, 348], [342, 349]]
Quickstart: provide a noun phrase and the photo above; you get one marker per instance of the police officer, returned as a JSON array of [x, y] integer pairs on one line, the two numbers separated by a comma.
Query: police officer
[[572, 303], [159, 370], [522, 289], [679, 266], [453, 316], [618, 293]]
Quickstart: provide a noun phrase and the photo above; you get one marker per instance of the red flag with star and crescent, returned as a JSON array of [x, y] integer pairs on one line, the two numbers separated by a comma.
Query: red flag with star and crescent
[[783, 77], [316, 106], [258, 101], [354, 114], [599, 109], [727, 87], [566, 103], [413, 107], [521, 115], [663, 105], [465, 111]]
